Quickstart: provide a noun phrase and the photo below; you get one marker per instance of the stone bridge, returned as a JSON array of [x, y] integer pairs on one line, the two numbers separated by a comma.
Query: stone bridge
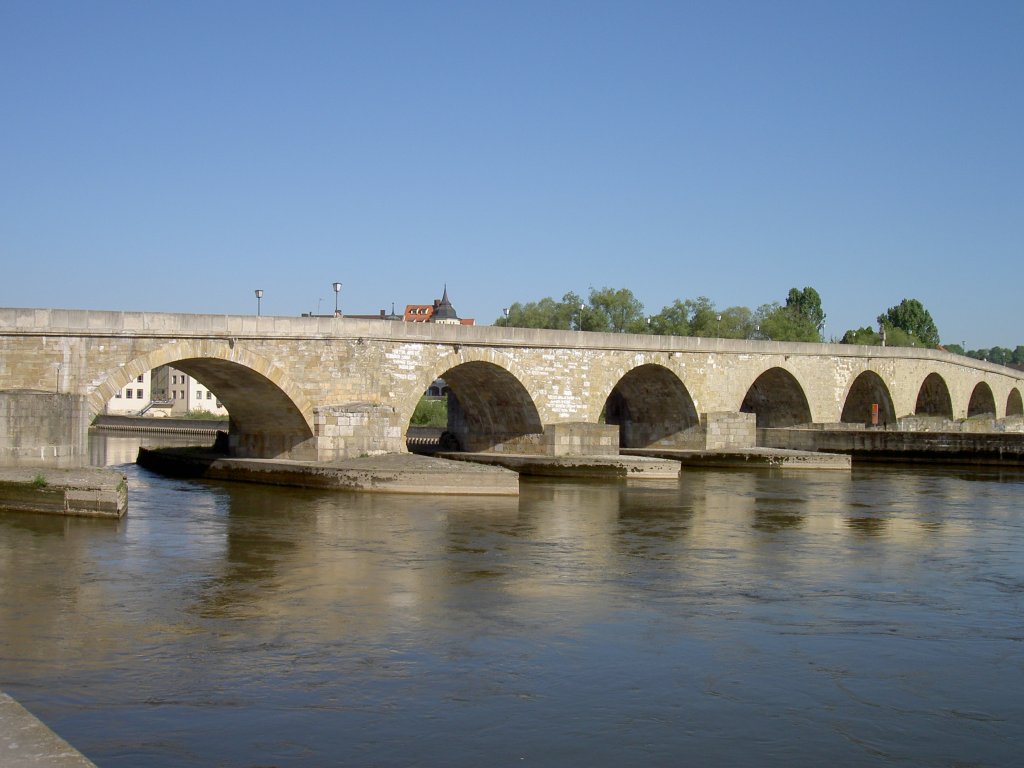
[[329, 388]]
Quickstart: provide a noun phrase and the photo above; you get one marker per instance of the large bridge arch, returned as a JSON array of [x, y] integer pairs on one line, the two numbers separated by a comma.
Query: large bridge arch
[[488, 405], [933, 397], [650, 405], [866, 391], [777, 398], [270, 416], [1014, 403], [982, 402]]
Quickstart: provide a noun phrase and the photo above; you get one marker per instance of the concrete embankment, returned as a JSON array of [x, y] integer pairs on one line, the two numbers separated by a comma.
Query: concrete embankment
[[25, 742], [390, 473], [879, 445], [86, 492], [170, 426]]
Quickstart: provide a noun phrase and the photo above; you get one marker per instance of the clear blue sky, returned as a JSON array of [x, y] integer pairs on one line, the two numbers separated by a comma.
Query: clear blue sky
[[175, 156]]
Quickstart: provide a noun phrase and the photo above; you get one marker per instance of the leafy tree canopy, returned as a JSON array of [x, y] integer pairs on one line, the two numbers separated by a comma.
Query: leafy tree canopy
[[806, 304], [911, 316]]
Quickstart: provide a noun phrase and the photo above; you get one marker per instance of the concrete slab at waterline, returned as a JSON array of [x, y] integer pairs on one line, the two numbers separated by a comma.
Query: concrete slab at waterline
[[388, 473], [83, 492], [607, 467], [26, 742], [748, 458]]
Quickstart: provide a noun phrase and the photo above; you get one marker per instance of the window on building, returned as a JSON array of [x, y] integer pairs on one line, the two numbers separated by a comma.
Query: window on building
[[174, 379], [118, 394], [199, 395], [209, 395], [128, 394], [140, 379], [138, 393]]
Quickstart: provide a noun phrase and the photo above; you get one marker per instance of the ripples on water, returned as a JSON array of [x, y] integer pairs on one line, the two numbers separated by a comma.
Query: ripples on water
[[734, 618]]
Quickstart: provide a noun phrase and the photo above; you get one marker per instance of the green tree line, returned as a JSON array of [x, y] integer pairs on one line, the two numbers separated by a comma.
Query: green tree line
[[800, 318]]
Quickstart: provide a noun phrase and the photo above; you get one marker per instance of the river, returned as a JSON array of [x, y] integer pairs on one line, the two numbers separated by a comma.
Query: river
[[733, 618]]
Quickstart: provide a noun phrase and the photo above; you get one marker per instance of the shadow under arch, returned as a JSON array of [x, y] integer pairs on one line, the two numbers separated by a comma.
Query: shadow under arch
[[777, 399], [267, 419], [1014, 403], [982, 402], [933, 398], [488, 406], [868, 390], [651, 406]]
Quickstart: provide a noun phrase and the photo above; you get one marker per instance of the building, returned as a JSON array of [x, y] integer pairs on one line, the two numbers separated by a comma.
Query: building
[[441, 311], [178, 393], [164, 391], [133, 398]]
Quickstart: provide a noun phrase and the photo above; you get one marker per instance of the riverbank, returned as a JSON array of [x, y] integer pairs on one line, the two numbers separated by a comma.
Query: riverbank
[[26, 742], [390, 473], [85, 492]]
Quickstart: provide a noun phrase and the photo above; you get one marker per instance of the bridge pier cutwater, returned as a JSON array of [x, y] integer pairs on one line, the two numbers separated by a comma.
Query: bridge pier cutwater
[[321, 389]]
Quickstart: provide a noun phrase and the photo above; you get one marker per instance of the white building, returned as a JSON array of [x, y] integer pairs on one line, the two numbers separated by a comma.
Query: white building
[[133, 397], [181, 393], [165, 391]]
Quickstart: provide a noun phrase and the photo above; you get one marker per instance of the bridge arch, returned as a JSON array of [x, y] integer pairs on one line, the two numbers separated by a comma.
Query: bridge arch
[[777, 399], [650, 405], [867, 390], [933, 398], [269, 415], [1014, 403], [488, 405], [982, 402]]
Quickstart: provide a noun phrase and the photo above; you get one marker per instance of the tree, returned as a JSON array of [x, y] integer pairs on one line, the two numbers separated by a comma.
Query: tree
[[867, 336], [673, 320], [911, 316], [547, 313], [780, 323], [617, 310], [807, 304]]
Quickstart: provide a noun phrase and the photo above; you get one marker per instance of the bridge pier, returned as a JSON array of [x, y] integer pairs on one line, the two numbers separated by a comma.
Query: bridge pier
[[351, 430], [43, 428]]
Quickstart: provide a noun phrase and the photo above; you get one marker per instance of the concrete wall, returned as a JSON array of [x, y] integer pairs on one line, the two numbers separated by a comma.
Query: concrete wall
[[43, 427]]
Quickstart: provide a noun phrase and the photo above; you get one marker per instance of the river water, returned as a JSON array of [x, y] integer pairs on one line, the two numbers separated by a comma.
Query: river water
[[732, 618]]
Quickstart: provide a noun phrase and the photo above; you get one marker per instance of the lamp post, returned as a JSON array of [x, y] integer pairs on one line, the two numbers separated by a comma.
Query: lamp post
[[718, 332], [579, 325], [504, 311], [259, 298], [337, 290]]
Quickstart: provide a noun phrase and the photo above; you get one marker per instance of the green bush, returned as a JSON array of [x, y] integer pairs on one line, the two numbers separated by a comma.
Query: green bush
[[430, 413]]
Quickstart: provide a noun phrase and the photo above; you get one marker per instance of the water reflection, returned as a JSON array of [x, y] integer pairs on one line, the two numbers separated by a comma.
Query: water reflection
[[773, 618]]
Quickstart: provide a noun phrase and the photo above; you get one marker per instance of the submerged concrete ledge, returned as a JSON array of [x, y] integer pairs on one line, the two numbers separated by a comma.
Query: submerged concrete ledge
[[86, 492], [749, 458], [26, 742], [608, 467], [390, 473]]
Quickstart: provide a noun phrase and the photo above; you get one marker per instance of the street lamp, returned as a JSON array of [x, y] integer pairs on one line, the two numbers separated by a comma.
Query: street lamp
[[718, 332], [579, 326], [504, 311], [259, 298], [337, 290]]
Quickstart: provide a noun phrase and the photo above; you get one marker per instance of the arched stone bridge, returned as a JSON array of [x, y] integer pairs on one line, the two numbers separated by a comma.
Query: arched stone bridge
[[326, 388]]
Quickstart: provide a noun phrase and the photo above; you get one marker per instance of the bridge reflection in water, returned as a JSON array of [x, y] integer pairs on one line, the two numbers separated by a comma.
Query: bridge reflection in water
[[730, 618]]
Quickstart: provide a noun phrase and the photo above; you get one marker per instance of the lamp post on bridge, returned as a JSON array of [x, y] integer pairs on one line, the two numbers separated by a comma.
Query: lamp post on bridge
[[504, 311], [337, 290], [259, 298]]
